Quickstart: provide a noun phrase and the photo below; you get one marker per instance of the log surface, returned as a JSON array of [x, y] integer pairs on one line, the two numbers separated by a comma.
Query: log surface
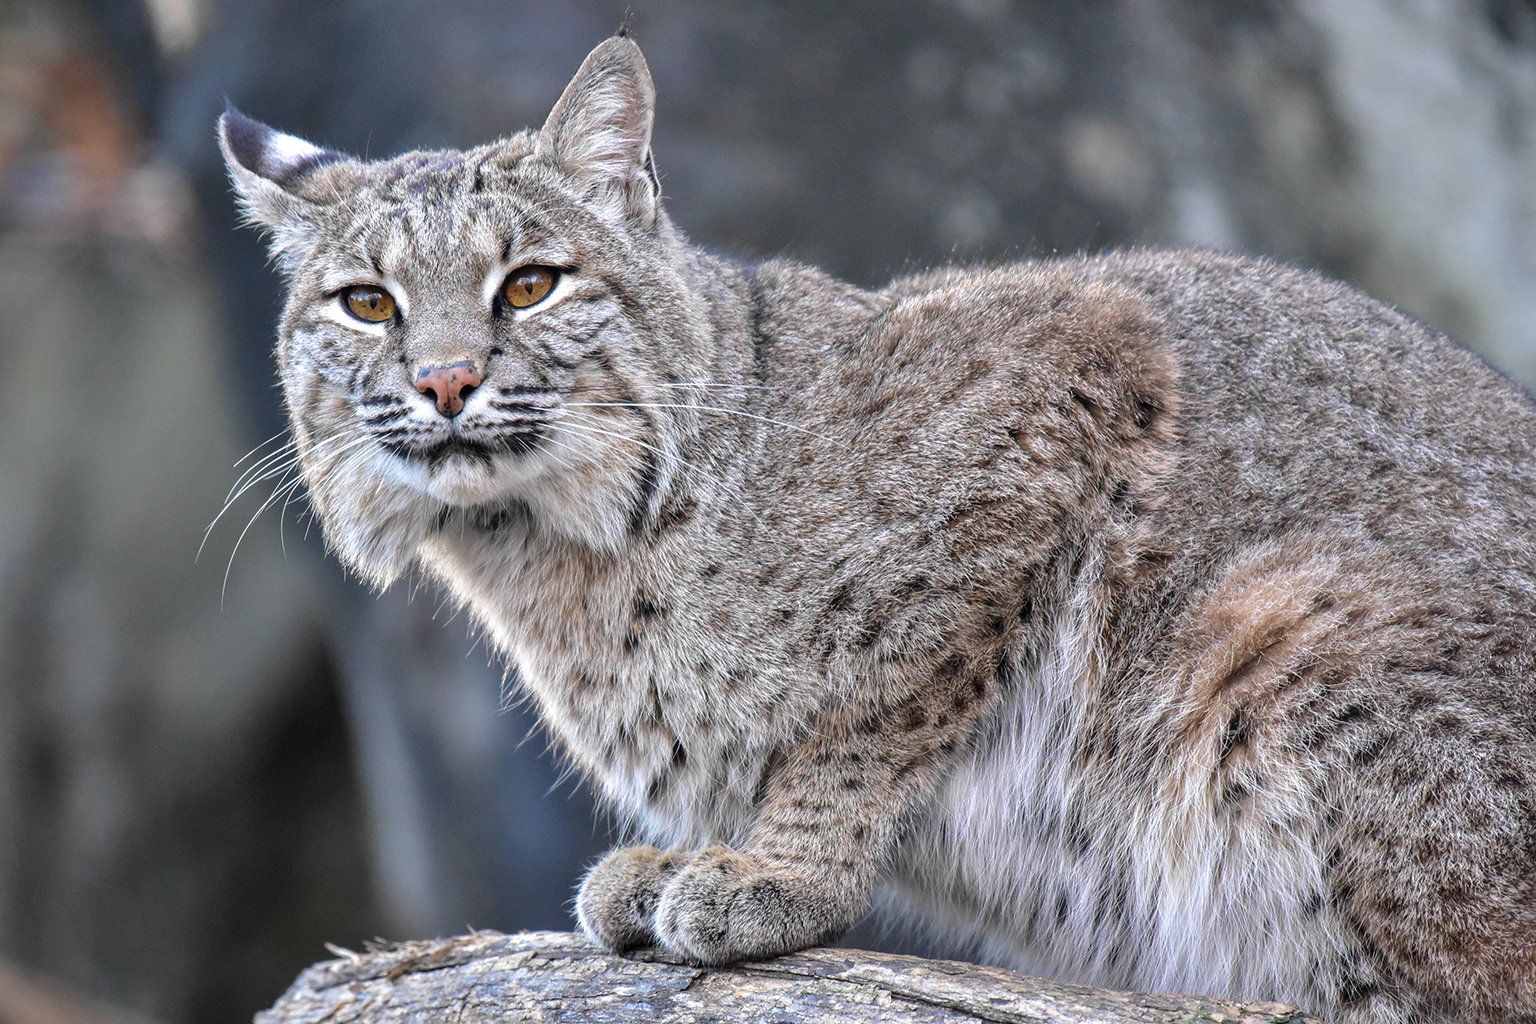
[[558, 977]]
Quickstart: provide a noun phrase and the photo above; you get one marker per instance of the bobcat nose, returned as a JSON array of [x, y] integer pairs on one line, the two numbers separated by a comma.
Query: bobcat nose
[[448, 386]]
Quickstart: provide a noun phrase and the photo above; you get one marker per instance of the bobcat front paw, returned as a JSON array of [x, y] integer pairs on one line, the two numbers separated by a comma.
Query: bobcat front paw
[[618, 898], [722, 906]]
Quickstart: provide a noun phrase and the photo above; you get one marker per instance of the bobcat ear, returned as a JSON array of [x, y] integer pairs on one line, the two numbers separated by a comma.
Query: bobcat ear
[[281, 180], [600, 129]]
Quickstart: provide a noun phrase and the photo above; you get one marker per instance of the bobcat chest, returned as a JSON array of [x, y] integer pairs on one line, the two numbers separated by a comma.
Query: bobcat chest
[[666, 697]]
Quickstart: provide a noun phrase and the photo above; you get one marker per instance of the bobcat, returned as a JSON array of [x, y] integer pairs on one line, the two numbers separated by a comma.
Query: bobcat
[[1152, 620]]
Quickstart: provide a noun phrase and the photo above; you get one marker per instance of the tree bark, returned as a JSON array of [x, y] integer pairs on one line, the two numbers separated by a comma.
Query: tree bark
[[555, 976]]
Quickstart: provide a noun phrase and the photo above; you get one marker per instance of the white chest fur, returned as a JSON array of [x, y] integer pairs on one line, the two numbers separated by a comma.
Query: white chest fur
[[1124, 874]]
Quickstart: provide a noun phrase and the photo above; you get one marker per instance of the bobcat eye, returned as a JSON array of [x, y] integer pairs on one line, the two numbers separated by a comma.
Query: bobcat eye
[[528, 285], [370, 303]]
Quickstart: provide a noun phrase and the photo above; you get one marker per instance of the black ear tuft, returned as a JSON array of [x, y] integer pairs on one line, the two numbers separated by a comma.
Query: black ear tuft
[[267, 153], [243, 137], [274, 176]]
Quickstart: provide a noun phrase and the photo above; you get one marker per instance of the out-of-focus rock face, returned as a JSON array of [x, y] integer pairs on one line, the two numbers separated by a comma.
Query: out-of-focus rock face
[[1439, 100], [170, 824], [1387, 142], [175, 783], [143, 726]]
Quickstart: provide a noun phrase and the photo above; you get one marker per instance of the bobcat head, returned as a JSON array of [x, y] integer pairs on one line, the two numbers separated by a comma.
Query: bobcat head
[[501, 331]]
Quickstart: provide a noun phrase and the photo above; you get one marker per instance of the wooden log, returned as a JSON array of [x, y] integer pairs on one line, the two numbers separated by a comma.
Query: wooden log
[[557, 977]]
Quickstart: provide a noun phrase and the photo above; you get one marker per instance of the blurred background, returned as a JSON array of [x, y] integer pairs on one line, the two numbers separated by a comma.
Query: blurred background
[[210, 767]]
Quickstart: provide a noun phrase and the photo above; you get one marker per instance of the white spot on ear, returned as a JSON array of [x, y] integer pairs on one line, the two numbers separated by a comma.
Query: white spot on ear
[[287, 150]]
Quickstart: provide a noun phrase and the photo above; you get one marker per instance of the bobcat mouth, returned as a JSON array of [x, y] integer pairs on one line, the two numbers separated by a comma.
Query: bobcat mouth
[[484, 451]]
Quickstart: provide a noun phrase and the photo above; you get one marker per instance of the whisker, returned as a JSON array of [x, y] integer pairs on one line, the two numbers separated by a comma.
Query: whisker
[[282, 518], [711, 408], [236, 496], [735, 489], [259, 447], [567, 447], [591, 429], [260, 470], [263, 470], [287, 487], [272, 465], [719, 384], [262, 463], [326, 450], [584, 424], [330, 450], [308, 516], [280, 492]]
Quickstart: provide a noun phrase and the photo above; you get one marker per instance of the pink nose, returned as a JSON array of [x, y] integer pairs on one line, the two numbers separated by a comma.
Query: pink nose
[[448, 385]]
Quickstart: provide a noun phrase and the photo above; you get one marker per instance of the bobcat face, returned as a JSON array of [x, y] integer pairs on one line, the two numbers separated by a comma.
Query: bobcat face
[[408, 347], [491, 331]]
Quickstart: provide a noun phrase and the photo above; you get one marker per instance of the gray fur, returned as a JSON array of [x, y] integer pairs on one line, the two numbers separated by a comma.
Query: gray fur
[[1159, 620]]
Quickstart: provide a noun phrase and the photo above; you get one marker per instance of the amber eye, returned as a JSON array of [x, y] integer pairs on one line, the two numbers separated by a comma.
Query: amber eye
[[370, 303], [527, 285]]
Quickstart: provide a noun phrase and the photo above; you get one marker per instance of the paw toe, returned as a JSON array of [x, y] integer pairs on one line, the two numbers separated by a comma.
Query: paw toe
[[617, 902]]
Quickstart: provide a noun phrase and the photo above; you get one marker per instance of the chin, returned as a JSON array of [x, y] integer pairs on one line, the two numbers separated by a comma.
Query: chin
[[464, 481]]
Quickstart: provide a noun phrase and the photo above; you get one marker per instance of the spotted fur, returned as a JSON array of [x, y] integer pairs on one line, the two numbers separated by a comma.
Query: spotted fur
[[1157, 620]]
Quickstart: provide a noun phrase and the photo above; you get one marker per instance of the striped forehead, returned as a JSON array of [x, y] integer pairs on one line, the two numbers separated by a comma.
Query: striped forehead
[[450, 174], [446, 233], [443, 208]]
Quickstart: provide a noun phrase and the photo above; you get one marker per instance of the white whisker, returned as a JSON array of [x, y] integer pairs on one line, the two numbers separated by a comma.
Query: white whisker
[[284, 488], [259, 447], [592, 429], [281, 491], [261, 464], [235, 496], [735, 489], [711, 408], [568, 447], [715, 384]]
